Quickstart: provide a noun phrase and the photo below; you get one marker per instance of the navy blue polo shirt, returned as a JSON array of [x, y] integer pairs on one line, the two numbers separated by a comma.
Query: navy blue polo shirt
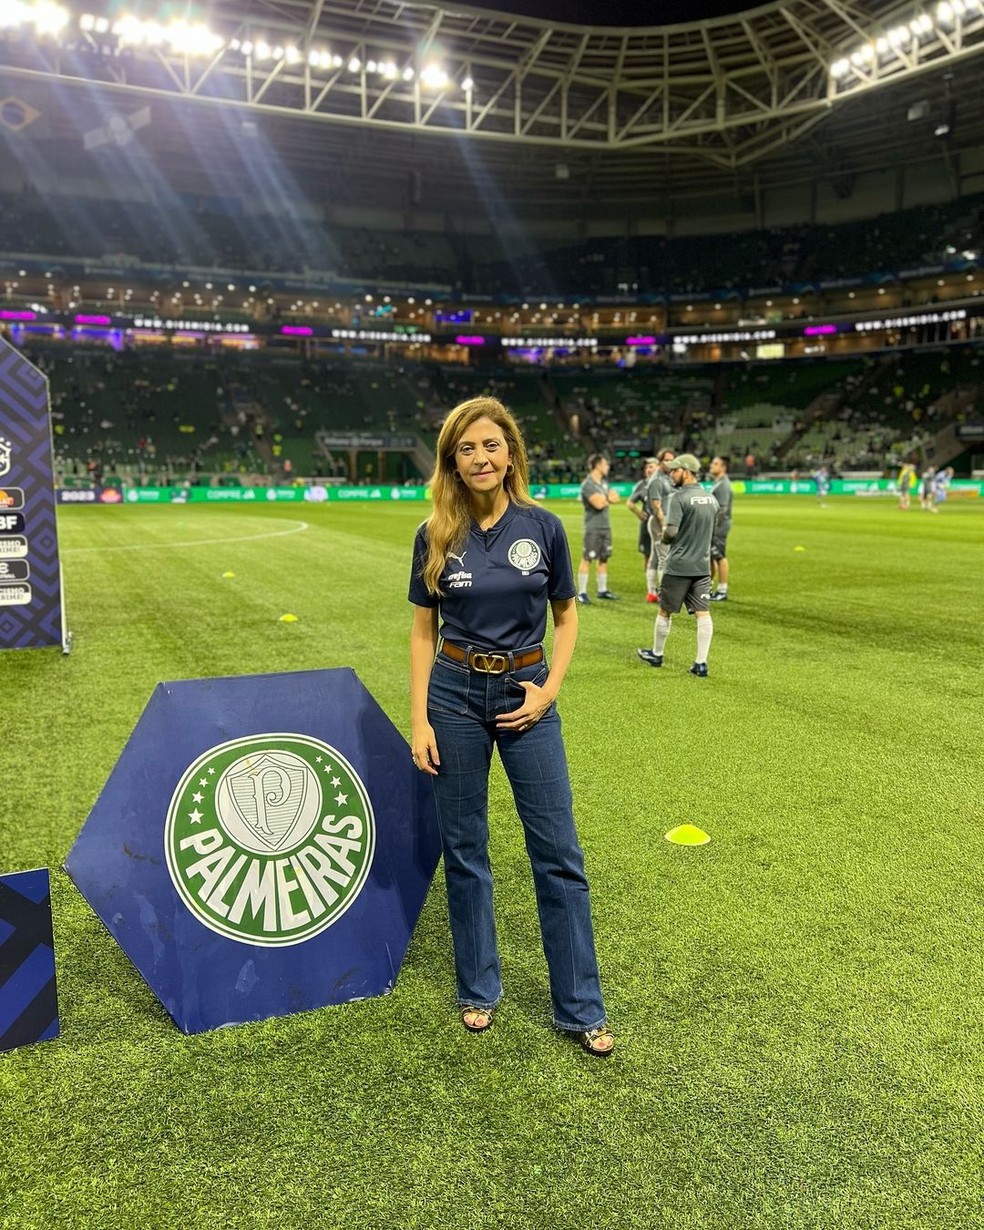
[[495, 591]]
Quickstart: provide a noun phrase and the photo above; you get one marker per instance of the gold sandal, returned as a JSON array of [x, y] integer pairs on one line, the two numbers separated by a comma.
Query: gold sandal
[[469, 1010], [590, 1038]]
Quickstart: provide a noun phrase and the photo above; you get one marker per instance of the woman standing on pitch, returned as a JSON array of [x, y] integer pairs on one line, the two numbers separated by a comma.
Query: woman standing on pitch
[[486, 565]]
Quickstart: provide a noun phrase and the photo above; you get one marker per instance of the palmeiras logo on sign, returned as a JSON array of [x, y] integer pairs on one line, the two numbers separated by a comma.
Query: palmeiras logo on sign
[[269, 839], [5, 450]]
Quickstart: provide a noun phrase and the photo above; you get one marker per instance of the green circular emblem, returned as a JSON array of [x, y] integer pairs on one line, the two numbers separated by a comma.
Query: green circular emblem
[[269, 839]]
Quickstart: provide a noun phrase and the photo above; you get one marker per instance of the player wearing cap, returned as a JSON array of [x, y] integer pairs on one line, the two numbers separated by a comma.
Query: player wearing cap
[[688, 528], [719, 542], [658, 494], [596, 496], [639, 506]]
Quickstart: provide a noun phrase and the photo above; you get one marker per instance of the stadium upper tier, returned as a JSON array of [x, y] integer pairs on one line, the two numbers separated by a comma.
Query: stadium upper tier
[[181, 233], [149, 417]]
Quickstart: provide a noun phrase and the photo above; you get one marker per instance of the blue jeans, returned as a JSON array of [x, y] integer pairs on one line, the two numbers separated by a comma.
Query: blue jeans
[[462, 706]]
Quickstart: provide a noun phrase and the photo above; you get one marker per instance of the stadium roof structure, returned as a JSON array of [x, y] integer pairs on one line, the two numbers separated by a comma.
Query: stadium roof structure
[[477, 102]]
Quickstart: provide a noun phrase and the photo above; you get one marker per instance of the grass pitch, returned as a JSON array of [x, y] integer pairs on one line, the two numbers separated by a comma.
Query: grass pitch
[[798, 1004]]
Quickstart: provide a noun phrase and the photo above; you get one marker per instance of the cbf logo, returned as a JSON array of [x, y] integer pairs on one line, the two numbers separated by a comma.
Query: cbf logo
[[5, 451], [524, 554], [269, 839]]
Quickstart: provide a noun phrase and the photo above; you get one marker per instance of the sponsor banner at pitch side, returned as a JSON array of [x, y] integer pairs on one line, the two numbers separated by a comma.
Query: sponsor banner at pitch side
[[31, 607], [263, 846], [390, 494]]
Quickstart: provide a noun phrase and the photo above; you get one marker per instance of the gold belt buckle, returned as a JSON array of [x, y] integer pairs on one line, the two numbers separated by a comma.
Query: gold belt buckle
[[489, 663]]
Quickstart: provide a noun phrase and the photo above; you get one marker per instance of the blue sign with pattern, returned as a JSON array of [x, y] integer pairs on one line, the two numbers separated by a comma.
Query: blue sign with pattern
[[28, 1001], [31, 614]]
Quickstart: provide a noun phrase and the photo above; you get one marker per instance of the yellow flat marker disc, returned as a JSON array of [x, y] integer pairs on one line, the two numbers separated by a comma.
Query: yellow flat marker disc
[[226, 576], [687, 835], [799, 548], [288, 619]]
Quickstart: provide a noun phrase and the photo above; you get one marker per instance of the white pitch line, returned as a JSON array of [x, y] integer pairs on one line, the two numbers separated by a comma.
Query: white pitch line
[[299, 528]]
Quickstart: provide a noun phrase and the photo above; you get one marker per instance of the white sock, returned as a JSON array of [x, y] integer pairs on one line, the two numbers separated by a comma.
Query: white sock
[[659, 578], [705, 630], [661, 631], [652, 584], [602, 583], [582, 581], [722, 588]]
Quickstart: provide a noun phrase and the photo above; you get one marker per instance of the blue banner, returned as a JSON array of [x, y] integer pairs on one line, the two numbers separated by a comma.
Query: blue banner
[[31, 612], [28, 1000], [263, 846]]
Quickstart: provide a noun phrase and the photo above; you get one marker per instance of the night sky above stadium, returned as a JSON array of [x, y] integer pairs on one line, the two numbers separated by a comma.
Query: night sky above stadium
[[618, 12]]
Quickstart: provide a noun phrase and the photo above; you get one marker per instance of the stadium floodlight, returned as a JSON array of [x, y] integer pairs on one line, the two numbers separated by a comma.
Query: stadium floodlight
[[408, 73], [354, 64], [904, 41], [389, 70], [12, 13], [262, 51], [434, 77], [370, 66], [468, 85], [87, 22], [291, 55], [50, 18], [192, 40]]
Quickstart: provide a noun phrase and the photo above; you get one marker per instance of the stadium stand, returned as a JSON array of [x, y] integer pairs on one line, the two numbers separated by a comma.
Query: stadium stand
[[188, 415], [222, 233]]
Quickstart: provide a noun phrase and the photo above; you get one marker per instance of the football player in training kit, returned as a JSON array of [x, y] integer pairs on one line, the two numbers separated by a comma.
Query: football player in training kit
[[658, 495], [639, 506], [719, 542], [688, 529], [596, 496]]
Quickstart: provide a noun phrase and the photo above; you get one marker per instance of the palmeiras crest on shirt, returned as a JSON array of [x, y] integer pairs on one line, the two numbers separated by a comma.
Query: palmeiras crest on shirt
[[5, 451], [524, 554], [269, 839]]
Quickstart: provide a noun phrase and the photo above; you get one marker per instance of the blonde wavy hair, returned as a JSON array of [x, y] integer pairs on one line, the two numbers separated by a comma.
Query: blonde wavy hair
[[448, 524]]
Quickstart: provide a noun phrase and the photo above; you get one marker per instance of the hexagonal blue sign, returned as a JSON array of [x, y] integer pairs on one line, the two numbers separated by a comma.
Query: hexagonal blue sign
[[263, 846]]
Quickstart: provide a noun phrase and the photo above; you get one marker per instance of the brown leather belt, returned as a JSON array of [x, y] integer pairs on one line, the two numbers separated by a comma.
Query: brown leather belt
[[489, 662]]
